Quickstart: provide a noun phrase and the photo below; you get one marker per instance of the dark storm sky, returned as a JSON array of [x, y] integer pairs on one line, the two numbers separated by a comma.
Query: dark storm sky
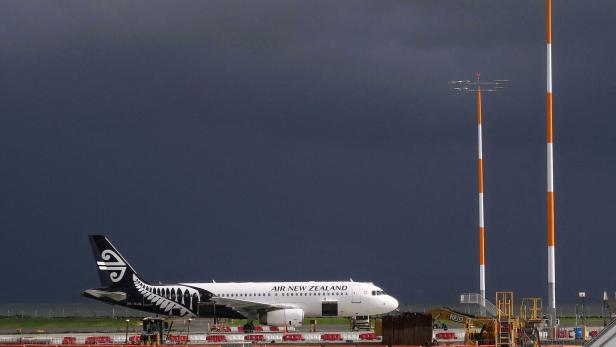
[[303, 140]]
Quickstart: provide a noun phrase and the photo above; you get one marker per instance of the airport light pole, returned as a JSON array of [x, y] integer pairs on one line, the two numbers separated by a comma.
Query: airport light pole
[[582, 296], [188, 331], [126, 338], [478, 87]]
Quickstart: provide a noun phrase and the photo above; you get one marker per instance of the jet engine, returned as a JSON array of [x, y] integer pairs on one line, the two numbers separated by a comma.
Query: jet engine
[[289, 317]]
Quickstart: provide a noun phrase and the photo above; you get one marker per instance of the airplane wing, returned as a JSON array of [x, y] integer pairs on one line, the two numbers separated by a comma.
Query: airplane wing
[[249, 309]]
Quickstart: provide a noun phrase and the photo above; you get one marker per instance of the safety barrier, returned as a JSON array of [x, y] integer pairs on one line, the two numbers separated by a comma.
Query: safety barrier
[[368, 336], [216, 338], [177, 339], [257, 328], [256, 337], [331, 337], [292, 337], [261, 345], [98, 340], [69, 340], [118, 339], [445, 336], [569, 334]]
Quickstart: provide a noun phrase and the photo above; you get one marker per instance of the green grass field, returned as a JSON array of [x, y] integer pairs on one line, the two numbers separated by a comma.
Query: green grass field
[[595, 321], [31, 324], [329, 321]]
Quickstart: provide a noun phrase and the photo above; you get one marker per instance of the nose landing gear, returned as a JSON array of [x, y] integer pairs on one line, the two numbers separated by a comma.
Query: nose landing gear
[[360, 323]]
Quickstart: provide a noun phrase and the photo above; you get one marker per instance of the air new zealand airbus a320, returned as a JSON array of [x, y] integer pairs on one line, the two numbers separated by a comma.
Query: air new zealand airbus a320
[[273, 303]]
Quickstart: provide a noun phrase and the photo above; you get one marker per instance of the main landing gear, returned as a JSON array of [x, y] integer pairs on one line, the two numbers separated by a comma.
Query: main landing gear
[[249, 327]]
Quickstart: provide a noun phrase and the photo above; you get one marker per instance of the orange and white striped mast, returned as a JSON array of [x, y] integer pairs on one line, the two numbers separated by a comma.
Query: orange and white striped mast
[[482, 255], [476, 87], [550, 174]]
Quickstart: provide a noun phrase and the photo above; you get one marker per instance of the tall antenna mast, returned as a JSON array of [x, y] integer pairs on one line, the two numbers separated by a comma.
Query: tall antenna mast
[[478, 87], [550, 175]]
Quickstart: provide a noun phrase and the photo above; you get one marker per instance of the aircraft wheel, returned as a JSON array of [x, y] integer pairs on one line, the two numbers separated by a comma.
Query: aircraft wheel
[[249, 328]]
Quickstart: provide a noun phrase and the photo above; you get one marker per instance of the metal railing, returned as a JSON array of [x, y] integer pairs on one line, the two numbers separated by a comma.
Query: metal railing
[[478, 299]]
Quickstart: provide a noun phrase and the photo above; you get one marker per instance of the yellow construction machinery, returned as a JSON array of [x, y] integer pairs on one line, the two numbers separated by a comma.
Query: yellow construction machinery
[[507, 322], [504, 329], [530, 321], [479, 330]]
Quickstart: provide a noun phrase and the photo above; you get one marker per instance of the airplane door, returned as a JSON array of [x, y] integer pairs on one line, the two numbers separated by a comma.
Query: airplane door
[[355, 294], [329, 308]]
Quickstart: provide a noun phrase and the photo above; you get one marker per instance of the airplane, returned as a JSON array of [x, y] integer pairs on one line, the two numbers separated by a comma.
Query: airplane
[[271, 303]]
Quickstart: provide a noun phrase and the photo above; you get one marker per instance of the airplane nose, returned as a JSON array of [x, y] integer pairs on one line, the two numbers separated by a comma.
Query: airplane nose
[[391, 303]]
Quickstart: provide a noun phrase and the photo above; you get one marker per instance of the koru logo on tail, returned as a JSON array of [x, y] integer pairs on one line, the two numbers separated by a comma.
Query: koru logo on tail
[[113, 263]]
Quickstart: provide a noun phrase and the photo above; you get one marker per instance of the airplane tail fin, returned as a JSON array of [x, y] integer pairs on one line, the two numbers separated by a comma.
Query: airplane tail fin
[[113, 269]]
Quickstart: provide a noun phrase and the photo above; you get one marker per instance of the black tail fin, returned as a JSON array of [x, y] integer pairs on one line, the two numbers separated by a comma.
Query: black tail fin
[[113, 269]]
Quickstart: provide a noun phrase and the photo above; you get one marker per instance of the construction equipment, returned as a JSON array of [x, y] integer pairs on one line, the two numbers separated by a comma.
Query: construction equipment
[[504, 328], [507, 322], [531, 320], [479, 330]]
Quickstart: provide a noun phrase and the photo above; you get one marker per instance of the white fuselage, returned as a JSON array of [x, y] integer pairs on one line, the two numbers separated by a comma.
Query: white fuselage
[[352, 298]]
